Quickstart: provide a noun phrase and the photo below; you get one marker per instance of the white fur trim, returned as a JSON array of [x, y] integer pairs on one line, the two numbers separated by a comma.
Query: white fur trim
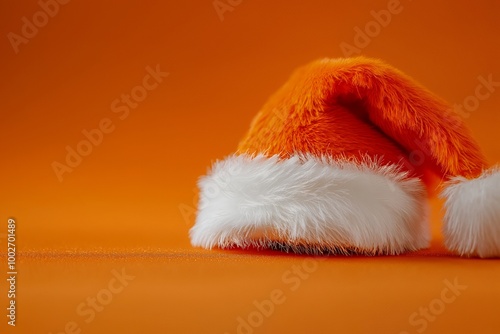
[[310, 204], [472, 220]]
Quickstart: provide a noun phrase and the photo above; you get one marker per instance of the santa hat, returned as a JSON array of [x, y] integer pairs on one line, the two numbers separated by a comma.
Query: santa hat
[[336, 162]]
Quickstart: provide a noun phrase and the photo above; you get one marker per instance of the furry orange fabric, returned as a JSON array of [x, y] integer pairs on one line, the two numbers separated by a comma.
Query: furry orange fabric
[[354, 107], [336, 162]]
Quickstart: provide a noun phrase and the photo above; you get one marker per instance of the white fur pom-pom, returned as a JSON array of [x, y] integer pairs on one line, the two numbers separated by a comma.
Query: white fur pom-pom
[[472, 220]]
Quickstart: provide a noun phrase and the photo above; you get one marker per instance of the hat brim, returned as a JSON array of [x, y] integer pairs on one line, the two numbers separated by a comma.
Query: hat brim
[[310, 204]]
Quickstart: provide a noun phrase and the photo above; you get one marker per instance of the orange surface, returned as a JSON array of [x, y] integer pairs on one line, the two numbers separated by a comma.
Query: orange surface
[[128, 204]]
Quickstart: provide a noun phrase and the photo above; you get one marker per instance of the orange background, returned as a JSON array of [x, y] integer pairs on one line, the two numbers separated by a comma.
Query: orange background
[[130, 203]]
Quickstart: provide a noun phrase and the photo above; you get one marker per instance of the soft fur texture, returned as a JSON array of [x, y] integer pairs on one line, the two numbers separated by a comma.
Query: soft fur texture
[[472, 220], [349, 110], [360, 106], [310, 204]]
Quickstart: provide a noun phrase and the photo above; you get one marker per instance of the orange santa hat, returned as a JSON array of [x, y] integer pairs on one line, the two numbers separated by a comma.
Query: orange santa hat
[[336, 162]]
